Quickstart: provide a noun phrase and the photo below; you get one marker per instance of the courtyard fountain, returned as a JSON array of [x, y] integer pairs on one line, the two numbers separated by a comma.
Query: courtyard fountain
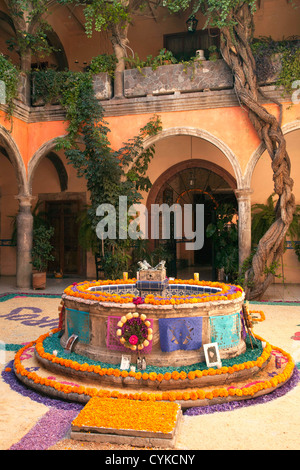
[[154, 338]]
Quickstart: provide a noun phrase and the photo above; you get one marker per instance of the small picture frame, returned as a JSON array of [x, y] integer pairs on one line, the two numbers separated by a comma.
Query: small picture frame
[[125, 362], [212, 355]]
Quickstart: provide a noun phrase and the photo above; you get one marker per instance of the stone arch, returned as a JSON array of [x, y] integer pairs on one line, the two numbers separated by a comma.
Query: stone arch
[[60, 169], [286, 128], [195, 163], [205, 135], [13, 154], [45, 150]]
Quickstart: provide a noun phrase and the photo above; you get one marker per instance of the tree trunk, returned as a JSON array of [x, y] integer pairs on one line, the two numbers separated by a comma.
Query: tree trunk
[[236, 51], [119, 41]]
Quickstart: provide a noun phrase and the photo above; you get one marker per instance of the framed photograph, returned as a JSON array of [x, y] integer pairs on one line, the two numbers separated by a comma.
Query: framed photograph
[[212, 355], [125, 362]]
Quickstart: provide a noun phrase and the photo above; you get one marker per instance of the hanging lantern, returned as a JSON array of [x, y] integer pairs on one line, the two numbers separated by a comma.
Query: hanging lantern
[[191, 24]]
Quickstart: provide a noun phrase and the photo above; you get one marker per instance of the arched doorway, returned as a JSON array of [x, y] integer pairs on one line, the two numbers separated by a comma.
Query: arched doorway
[[61, 197], [192, 182]]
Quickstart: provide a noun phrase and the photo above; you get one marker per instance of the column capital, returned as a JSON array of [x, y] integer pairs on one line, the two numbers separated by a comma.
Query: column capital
[[243, 193], [25, 200]]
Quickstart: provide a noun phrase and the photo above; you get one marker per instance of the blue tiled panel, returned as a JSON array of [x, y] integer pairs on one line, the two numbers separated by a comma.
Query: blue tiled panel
[[78, 323], [225, 330]]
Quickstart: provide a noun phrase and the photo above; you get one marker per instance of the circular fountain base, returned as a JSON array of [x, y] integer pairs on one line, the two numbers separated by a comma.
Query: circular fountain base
[[185, 318], [65, 379], [83, 357]]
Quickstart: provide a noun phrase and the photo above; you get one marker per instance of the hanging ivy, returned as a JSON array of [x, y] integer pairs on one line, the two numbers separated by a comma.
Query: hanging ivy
[[278, 57], [9, 74]]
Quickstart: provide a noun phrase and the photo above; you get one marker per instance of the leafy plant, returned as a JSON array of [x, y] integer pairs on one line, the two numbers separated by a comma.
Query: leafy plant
[[224, 233], [265, 49], [103, 63], [213, 53], [263, 216], [9, 74], [47, 85], [42, 248], [134, 62], [164, 57], [297, 250]]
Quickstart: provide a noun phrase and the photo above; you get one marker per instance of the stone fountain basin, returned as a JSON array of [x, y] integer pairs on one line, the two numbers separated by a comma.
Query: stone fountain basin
[[96, 328]]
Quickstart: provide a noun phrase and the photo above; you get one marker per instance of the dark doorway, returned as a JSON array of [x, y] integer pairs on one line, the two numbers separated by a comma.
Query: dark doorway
[[203, 257], [62, 215], [195, 183]]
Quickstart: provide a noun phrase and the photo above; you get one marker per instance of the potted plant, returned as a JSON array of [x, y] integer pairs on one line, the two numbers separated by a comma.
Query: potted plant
[[103, 63], [164, 57], [41, 255], [224, 233]]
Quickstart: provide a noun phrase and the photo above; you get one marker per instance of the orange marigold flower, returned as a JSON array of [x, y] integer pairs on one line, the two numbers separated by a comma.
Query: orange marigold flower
[[193, 395], [182, 375], [143, 396], [200, 394], [172, 396]]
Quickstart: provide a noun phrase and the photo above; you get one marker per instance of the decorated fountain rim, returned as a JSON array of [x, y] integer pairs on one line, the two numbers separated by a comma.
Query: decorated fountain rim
[[115, 291]]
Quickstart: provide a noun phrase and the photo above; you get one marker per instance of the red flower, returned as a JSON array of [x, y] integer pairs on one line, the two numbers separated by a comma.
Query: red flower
[[133, 339], [138, 300]]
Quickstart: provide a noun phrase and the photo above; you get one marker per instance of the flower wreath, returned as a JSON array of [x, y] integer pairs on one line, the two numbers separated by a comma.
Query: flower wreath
[[134, 331]]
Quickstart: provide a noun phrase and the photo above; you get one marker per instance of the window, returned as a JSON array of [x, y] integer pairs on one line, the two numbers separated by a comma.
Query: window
[[184, 45]]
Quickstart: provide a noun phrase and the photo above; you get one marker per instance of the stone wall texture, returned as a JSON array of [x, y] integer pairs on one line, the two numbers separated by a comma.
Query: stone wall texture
[[168, 79]]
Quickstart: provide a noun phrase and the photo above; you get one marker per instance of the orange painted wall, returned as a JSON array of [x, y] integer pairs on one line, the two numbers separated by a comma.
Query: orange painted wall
[[231, 125]]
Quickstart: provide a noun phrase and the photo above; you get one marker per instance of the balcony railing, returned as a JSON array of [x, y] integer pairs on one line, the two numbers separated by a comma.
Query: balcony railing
[[177, 78], [181, 80]]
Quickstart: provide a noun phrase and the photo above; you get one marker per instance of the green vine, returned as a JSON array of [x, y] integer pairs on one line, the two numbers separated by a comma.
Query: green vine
[[103, 63], [9, 74], [286, 51]]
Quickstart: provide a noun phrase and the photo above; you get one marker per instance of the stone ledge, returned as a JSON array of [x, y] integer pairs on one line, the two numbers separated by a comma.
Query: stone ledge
[[176, 78], [176, 102]]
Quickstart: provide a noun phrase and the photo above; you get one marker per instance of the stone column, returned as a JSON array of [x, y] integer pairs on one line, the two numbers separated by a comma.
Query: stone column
[[24, 241], [244, 223]]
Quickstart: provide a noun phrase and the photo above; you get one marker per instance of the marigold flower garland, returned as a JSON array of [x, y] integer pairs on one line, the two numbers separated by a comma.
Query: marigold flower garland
[[196, 394], [81, 290]]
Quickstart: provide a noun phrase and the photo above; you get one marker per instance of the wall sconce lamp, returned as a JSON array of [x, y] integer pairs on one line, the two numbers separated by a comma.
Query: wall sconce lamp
[[191, 24]]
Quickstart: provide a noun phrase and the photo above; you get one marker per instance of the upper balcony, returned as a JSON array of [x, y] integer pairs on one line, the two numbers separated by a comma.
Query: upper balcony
[[198, 84]]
